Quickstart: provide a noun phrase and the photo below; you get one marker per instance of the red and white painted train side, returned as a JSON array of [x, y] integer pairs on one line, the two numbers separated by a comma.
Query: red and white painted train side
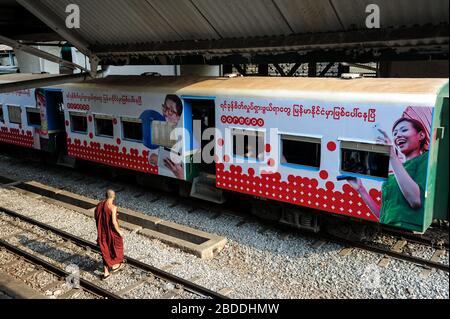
[[304, 139], [14, 127]]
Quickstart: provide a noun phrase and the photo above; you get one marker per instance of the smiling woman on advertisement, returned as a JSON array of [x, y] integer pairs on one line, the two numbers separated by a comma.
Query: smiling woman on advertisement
[[403, 193]]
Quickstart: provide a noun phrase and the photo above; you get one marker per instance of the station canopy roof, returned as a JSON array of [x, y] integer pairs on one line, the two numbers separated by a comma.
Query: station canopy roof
[[208, 30]]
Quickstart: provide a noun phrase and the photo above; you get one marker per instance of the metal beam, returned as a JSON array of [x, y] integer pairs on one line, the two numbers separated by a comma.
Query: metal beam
[[39, 53], [45, 80], [326, 69], [241, 70], [294, 69], [279, 69], [414, 37], [47, 16], [312, 69], [361, 66]]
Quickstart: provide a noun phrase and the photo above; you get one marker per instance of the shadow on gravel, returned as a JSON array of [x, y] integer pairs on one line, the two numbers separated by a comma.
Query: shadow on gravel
[[61, 255]]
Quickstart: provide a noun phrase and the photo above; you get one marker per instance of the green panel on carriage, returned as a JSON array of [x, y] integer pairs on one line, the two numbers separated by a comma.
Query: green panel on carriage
[[436, 206]]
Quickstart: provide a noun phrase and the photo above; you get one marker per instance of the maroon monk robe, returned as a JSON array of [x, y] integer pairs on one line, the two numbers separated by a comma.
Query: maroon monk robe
[[109, 240]]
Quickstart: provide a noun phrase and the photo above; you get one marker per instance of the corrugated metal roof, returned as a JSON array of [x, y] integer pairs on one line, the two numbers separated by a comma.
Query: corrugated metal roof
[[309, 15], [393, 13], [122, 24]]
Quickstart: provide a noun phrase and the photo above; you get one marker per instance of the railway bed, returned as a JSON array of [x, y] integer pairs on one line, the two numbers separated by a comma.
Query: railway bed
[[54, 249], [436, 236], [246, 221], [397, 250]]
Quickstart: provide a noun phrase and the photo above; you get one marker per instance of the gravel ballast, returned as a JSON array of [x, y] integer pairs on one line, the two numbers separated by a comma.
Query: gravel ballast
[[253, 264]]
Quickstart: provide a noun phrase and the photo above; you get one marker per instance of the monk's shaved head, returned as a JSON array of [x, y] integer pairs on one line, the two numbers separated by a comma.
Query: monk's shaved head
[[110, 194]]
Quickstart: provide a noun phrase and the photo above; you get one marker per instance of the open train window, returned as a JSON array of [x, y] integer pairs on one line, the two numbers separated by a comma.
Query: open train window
[[104, 126], [33, 117], [15, 114], [248, 144], [300, 150], [365, 159], [132, 129], [161, 133], [78, 123], [2, 119]]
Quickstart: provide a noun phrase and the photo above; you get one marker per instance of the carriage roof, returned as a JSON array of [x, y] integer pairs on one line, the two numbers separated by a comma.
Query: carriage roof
[[16, 77], [250, 84], [379, 89]]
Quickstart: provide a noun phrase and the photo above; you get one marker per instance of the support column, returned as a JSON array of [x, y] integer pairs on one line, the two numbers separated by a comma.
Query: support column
[[312, 69], [343, 69], [263, 70], [12, 62], [227, 69]]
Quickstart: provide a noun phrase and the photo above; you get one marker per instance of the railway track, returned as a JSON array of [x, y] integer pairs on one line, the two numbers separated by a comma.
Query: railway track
[[402, 239], [195, 204], [396, 251], [46, 278], [55, 250]]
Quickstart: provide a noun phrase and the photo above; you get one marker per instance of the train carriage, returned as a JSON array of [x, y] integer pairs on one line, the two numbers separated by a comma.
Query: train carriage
[[365, 149], [30, 118]]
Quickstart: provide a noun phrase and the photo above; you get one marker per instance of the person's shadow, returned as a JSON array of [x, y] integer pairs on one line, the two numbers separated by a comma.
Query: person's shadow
[[61, 254]]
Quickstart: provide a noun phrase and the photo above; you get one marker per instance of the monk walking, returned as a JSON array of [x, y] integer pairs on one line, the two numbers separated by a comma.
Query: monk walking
[[109, 235]]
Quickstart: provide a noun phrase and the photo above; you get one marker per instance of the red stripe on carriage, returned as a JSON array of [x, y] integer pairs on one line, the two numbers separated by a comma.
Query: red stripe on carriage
[[16, 137], [296, 190], [111, 155]]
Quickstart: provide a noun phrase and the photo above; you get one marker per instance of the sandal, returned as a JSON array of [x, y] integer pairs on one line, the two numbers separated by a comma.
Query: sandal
[[106, 277], [118, 268]]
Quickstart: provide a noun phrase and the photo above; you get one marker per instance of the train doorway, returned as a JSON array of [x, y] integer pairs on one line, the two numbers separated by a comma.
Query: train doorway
[[203, 118], [203, 168]]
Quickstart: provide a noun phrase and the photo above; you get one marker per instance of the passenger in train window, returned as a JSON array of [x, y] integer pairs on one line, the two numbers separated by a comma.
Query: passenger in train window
[[403, 193], [109, 234]]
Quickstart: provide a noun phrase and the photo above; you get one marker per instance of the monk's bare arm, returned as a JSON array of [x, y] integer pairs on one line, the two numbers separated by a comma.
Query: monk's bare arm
[[114, 220]]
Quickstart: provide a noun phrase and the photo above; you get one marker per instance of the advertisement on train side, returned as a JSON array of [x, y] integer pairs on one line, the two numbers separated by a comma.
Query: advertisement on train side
[[364, 161], [128, 131], [17, 111]]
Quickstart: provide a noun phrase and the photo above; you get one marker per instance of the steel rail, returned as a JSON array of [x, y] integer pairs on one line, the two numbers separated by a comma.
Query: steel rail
[[85, 284], [387, 252], [356, 244], [420, 239], [187, 285]]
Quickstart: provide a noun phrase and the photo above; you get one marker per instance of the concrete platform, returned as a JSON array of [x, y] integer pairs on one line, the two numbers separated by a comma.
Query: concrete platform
[[12, 288], [199, 243]]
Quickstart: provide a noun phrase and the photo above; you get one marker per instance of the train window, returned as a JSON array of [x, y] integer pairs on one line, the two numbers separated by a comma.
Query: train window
[[132, 129], [104, 126], [2, 119], [78, 123], [365, 159], [248, 144], [15, 114], [161, 133], [33, 117], [300, 150]]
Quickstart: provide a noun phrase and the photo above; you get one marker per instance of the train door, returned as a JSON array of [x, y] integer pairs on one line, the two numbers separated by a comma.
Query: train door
[[202, 167], [441, 191], [203, 118], [52, 123], [56, 127], [437, 196]]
